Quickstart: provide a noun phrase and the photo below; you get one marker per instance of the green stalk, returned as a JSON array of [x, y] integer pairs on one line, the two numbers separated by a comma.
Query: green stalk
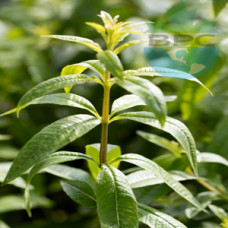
[[105, 119]]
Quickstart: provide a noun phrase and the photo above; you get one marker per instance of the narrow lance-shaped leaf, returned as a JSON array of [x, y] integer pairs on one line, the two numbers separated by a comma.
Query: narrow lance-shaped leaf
[[111, 62], [50, 139], [211, 158], [58, 157], [130, 101], [149, 93], [162, 142], [66, 99], [163, 72], [174, 127], [80, 192], [154, 218], [87, 42], [51, 85], [4, 168], [144, 178], [218, 211], [162, 174], [70, 173], [116, 204]]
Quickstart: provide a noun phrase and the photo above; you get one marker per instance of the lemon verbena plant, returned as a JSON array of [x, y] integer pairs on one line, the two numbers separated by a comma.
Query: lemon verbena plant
[[106, 187]]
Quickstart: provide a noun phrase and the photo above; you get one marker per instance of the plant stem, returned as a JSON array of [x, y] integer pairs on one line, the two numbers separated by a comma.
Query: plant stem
[[105, 118]]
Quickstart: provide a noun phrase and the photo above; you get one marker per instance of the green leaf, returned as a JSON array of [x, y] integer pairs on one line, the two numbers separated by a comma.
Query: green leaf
[[70, 173], [116, 204], [154, 218], [93, 150], [130, 101], [80, 192], [106, 18], [87, 42], [163, 72], [58, 157], [162, 142], [205, 199], [174, 127], [112, 63], [218, 6], [128, 44], [4, 168], [149, 194], [160, 173], [51, 85], [211, 158], [16, 202], [125, 102], [148, 92], [219, 212], [144, 178], [50, 139], [66, 99]]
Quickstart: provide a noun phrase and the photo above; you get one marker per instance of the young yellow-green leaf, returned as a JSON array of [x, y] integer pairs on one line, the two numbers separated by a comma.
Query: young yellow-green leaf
[[174, 127], [80, 192], [94, 65], [106, 18], [144, 178], [160, 173], [69, 70], [128, 44], [154, 218], [111, 62], [78, 68], [93, 150], [58, 157], [162, 142], [116, 203], [148, 92], [50, 139], [100, 29], [163, 72], [51, 85], [80, 40]]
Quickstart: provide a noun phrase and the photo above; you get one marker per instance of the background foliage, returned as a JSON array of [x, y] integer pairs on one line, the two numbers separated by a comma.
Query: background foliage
[[26, 59]]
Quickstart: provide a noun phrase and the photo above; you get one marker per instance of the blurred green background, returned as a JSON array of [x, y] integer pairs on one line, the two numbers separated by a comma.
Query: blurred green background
[[27, 59]]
